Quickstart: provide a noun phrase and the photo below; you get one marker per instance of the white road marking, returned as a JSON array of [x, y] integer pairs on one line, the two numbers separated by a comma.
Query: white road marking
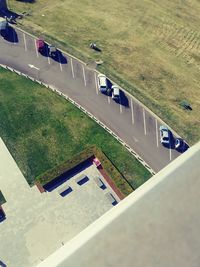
[[47, 51], [108, 99], [84, 75], [132, 114], [59, 60], [33, 67], [72, 68], [135, 139], [36, 49], [145, 130], [170, 154], [48, 59], [95, 78], [156, 132], [25, 46], [120, 106]]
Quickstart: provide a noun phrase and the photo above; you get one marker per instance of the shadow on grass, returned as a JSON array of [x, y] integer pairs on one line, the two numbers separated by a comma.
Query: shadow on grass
[[27, 1], [59, 57]]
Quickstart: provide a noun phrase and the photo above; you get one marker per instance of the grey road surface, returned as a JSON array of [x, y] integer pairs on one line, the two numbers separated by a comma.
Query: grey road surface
[[133, 123]]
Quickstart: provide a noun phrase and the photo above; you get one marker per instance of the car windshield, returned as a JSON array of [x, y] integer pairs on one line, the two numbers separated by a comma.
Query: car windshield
[[165, 138]]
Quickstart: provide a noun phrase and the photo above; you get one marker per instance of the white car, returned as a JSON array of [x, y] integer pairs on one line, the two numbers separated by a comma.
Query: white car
[[102, 83], [164, 135], [115, 93]]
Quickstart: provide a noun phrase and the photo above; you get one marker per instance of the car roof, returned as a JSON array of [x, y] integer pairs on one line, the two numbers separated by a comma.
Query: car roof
[[162, 127]]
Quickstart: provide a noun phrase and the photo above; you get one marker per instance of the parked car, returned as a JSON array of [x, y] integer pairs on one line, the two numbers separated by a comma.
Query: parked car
[[102, 83], [164, 135], [52, 50], [40, 45], [115, 93]]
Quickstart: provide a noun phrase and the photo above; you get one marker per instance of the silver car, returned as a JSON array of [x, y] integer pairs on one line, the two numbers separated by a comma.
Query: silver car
[[164, 135]]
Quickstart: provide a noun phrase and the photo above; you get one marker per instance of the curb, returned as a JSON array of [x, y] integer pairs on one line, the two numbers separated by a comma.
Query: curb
[[88, 114]]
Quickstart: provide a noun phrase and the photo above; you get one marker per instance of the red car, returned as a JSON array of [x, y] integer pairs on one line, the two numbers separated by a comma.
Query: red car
[[40, 45]]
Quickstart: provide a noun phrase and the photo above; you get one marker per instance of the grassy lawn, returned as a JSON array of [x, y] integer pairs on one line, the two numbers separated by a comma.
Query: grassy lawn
[[41, 130], [152, 48]]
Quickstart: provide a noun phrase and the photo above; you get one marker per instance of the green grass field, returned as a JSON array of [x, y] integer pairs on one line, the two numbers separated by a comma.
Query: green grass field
[[151, 48], [42, 129]]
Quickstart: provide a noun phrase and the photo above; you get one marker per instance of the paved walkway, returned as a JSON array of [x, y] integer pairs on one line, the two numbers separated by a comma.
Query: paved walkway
[[37, 224]]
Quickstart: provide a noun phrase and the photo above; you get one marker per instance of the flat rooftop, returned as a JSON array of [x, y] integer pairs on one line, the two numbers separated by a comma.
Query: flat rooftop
[[38, 224], [158, 225]]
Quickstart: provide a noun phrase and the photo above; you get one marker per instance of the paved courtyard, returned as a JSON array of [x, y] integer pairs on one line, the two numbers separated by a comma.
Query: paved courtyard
[[37, 224]]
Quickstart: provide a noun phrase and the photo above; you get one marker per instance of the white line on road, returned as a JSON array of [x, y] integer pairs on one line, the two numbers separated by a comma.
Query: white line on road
[[135, 139], [120, 106], [36, 48], [48, 59], [84, 75], [156, 132], [132, 114], [95, 78], [145, 130], [33, 67], [170, 154], [108, 99], [25, 46], [72, 68], [59, 60]]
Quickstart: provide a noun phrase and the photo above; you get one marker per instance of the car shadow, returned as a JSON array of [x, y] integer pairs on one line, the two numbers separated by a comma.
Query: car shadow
[[183, 149], [123, 99], [10, 15], [59, 57], [11, 35]]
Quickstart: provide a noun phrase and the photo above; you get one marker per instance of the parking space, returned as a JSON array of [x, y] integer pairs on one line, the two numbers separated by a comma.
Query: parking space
[[127, 118]]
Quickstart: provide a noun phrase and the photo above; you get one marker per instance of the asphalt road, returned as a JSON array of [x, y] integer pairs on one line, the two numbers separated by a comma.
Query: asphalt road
[[130, 120]]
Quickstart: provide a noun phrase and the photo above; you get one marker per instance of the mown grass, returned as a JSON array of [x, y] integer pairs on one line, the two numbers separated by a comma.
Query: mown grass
[[149, 47], [41, 130]]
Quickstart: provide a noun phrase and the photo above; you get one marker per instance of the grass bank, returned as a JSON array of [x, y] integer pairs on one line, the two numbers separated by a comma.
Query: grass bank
[[41, 130], [149, 47]]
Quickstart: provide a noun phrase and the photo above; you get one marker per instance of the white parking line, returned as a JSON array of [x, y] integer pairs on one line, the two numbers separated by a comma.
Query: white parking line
[[170, 154], [36, 48], [120, 106], [132, 114], [145, 130], [25, 46], [156, 132], [72, 68], [48, 59], [95, 78], [84, 75], [108, 99]]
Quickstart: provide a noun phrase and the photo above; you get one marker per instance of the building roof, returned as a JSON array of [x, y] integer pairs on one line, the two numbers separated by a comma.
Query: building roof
[[156, 226]]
